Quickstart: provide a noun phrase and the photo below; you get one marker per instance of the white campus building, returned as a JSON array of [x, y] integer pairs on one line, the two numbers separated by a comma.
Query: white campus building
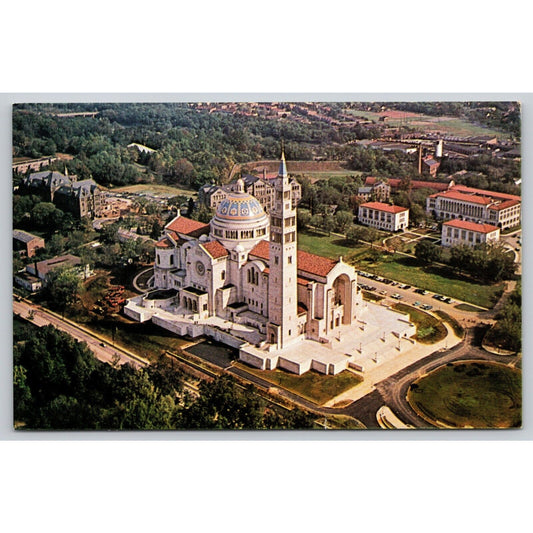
[[476, 205], [384, 216], [456, 232], [242, 281]]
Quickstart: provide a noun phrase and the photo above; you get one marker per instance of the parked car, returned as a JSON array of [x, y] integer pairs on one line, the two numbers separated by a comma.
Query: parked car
[[426, 307], [397, 296]]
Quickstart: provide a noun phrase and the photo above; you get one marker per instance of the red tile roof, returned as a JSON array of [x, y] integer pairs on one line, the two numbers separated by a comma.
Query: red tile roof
[[463, 197], [492, 194], [379, 206], [314, 264], [415, 184], [187, 226], [472, 226], [163, 243], [306, 262], [261, 250], [504, 205], [215, 249]]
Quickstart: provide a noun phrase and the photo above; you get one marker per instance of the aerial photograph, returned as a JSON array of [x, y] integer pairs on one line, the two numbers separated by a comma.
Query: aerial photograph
[[324, 265]]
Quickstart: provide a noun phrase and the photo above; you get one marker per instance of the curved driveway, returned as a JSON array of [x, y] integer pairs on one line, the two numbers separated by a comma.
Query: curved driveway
[[393, 391]]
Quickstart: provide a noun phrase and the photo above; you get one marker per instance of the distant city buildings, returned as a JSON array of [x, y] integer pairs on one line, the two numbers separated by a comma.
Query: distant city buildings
[[456, 232], [81, 198], [384, 216]]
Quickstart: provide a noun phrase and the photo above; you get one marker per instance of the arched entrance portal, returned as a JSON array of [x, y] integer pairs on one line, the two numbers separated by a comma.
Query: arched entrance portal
[[342, 296]]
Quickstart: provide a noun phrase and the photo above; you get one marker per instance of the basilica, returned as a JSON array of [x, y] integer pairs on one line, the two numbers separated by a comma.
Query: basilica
[[241, 280]]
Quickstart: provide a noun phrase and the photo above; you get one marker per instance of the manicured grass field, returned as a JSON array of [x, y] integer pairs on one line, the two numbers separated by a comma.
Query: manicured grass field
[[325, 245], [429, 330], [326, 174], [402, 268], [147, 340], [470, 394], [156, 190], [315, 387], [451, 125]]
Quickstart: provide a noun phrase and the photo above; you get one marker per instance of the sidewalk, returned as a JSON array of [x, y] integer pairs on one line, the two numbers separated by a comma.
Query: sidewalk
[[388, 368]]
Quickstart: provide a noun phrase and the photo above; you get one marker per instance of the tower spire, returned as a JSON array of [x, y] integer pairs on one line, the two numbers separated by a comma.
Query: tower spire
[[282, 173]]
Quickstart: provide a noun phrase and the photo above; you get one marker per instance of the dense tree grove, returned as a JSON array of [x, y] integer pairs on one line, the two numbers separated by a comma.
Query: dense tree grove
[[507, 331], [488, 263], [59, 384]]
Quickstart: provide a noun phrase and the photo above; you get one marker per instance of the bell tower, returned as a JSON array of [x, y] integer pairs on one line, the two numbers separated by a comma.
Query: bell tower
[[283, 296]]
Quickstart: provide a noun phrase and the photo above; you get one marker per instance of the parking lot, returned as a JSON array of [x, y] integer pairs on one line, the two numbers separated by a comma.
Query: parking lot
[[415, 296]]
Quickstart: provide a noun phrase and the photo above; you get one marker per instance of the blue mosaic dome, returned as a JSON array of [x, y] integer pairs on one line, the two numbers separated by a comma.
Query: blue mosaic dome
[[240, 207]]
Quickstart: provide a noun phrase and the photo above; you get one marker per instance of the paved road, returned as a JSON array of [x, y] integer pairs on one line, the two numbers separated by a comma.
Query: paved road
[[98, 346], [392, 391]]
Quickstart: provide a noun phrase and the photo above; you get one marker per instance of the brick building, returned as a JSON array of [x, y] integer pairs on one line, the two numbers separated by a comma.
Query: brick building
[[26, 243]]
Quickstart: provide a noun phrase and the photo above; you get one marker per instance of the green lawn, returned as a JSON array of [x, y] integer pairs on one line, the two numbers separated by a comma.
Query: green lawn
[[155, 189], [402, 268], [470, 394], [313, 386], [457, 328], [429, 330], [447, 124], [146, 340], [325, 245], [326, 174]]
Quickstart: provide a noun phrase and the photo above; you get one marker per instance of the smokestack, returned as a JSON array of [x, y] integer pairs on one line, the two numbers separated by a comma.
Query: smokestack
[[420, 159], [438, 148]]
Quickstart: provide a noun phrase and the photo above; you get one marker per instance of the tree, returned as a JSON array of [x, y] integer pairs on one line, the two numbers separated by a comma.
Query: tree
[[109, 233], [427, 252], [328, 223], [204, 214], [190, 207], [155, 232], [372, 235], [342, 219], [303, 218], [131, 250], [355, 234], [62, 287], [394, 244], [46, 216]]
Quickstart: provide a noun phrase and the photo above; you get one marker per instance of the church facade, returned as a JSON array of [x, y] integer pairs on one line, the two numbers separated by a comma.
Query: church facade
[[241, 280]]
